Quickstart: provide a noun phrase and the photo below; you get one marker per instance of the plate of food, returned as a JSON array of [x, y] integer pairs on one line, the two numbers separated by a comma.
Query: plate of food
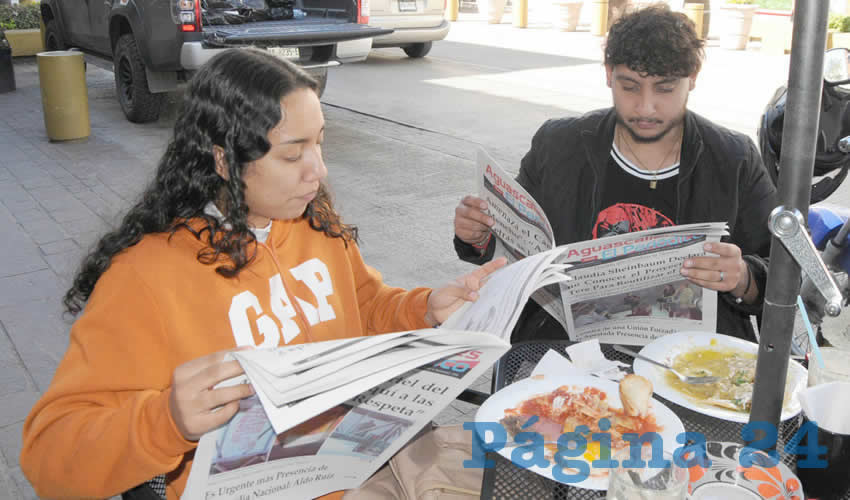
[[731, 359], [554, 405], [727, 478]]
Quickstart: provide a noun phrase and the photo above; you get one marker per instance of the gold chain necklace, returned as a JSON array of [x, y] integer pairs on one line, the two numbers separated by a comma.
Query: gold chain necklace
[[654, 182]]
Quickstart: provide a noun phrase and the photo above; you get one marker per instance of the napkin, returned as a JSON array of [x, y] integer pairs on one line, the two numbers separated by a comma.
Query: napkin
[[587, 359], [828, 405]]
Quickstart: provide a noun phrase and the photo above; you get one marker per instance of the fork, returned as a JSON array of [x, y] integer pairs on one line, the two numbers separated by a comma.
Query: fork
[[514, 444], [684, 378]]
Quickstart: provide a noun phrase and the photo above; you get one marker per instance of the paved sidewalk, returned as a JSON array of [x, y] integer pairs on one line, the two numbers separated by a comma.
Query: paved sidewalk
[[56, 198], [732, 87]]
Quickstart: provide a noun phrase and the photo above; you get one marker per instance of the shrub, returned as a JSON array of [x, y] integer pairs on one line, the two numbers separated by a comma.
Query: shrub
[[20, 17], [839, 23]]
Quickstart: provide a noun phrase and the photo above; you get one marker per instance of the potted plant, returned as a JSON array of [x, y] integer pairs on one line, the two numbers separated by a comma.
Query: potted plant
[[21, 25], [839, 27], [738, 21], [569, 12]]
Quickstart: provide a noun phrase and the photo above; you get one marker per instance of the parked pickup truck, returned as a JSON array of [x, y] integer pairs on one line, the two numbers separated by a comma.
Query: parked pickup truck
[[155, 44]]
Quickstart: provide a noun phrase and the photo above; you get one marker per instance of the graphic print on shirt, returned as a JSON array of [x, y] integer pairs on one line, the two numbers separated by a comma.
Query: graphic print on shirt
[[634, 199], [623, 218], [315, 275]]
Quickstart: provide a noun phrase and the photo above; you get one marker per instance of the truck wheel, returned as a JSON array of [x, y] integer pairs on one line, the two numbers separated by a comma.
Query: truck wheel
[[321, 77], [53, 36], [417, 50], [131, 83]]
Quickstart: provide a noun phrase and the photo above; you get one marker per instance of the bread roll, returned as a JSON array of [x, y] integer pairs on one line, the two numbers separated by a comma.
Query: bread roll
[[635, 393]]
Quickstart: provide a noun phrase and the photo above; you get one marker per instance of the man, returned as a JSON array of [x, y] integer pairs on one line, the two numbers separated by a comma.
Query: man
[[646, 162]]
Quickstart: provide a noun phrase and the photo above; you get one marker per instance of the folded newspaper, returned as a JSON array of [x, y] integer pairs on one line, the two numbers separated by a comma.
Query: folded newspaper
[[327, 415], [624, 289]]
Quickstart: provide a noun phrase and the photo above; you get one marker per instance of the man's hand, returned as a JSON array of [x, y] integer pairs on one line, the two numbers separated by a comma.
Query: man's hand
[[727, 272], [472, 225], [445, 300], [193, 398]]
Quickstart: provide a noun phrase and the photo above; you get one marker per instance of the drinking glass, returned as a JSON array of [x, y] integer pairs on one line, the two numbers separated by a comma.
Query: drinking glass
[[647, 482], [836, 367]]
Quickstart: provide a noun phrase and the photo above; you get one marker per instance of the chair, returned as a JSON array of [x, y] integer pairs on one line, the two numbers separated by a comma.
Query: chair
[[151, 490]]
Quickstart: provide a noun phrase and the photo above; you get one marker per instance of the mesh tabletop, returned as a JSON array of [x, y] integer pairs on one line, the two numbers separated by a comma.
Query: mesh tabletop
[[506, 480]]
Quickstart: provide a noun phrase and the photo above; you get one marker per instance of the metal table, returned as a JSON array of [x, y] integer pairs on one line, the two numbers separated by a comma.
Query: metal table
[[508, 481]]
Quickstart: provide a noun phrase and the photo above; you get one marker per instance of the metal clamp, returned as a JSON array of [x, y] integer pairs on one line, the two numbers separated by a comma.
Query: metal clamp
[[788, 226]]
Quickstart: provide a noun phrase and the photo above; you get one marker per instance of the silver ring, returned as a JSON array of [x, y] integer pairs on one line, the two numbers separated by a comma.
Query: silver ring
[[722, 275]]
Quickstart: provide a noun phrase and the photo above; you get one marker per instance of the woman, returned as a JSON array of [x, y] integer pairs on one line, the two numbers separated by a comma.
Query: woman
[[235, 243]]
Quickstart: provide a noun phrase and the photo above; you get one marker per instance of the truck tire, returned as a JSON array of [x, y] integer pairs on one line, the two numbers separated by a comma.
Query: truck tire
[[321, 77], [131, 83], [53, 36], [417, 50]]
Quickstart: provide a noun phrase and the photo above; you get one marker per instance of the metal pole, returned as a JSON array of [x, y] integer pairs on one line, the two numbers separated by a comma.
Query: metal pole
[[795, 177]]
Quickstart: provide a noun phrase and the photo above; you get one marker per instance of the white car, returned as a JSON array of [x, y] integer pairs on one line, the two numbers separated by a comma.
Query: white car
[[417, 24]]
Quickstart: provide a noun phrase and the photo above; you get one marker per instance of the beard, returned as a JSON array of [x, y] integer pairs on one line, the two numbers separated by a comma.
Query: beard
[[637, 138]]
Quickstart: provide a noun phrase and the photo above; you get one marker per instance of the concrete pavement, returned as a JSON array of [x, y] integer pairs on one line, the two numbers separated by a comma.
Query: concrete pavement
[[398, 183], [495, 84]]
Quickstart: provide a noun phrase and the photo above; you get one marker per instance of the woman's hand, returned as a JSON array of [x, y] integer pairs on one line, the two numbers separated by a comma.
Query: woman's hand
[[193, 398], [445, 300]]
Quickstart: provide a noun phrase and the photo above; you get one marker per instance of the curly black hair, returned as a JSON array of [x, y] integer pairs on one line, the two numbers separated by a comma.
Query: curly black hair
[[232, 102], [655, 41]]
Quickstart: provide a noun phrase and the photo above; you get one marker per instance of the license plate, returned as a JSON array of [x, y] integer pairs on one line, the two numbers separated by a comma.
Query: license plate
[[407, 5], [285, 52]]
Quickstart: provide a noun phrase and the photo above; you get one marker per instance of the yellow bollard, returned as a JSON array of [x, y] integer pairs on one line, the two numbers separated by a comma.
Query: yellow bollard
[[64, 96], [695, 12], [452, 6], [520, 13], [599, 26]]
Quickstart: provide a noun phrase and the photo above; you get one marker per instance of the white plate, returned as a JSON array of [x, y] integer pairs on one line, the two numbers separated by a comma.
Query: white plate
[[727, 479], [666, 349], [493, 410]]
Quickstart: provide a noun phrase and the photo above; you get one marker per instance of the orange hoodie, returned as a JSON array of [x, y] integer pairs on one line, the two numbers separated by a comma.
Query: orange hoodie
[[103, 426]]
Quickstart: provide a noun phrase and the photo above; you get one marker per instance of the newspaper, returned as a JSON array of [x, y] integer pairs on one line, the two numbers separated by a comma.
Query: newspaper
[[520, 225], [327, 415], [504, 294], [625, 289]]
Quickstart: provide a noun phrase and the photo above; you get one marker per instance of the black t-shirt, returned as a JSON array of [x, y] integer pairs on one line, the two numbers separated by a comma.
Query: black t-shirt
[[629, 203]]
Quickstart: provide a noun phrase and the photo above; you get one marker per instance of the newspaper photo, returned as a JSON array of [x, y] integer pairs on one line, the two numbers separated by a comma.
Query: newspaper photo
[[628, 289], [338, 443]]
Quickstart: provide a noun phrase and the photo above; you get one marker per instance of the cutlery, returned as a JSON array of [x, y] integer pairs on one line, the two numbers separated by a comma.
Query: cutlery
[[514, 444], [684, 378]]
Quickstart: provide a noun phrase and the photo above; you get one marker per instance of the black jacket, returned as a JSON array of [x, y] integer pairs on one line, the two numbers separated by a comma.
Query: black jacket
[[721, 178]]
